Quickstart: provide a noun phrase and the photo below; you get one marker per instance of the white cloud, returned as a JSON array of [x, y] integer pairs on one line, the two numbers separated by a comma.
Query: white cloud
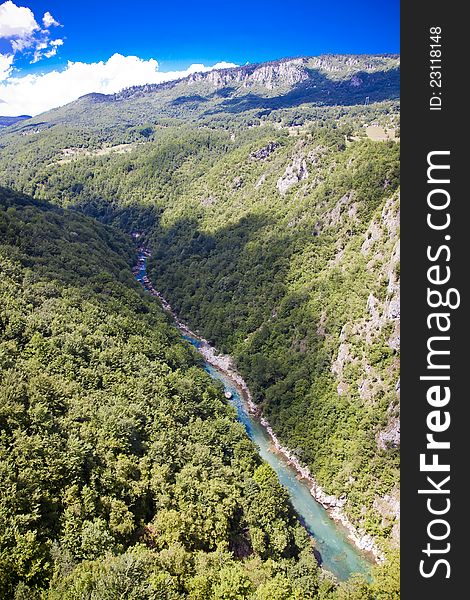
[[46, 49], [49, 21], [6, 60], [53, 47], [36, 93], [19, 28], [33, 94], [16, 21]]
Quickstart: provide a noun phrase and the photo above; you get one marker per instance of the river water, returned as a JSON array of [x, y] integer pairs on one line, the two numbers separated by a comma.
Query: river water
[[337, 554]]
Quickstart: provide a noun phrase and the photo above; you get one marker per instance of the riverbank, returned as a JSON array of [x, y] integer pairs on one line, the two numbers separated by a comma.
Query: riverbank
[[332, 504], [224, 363]]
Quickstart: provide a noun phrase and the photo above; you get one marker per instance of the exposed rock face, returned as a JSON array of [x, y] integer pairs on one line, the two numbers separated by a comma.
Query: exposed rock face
[[390, 436], [343, 357], [393, 311], [290, 72], [374, 233], [260, 181], [335, 216], [264, 152], [380, 246], [295, 172], [269, 75], [348, 63], [287, 73]]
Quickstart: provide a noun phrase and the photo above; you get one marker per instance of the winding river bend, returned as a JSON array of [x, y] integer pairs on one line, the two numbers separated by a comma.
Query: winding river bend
[[337, 554]]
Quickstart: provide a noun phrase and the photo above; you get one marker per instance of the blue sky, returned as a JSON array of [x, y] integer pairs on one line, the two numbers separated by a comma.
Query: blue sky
[[179, 34]]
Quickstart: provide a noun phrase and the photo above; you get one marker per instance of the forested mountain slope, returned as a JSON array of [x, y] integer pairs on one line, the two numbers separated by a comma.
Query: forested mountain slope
[[287, 92], [290, 263], [123, 470], [271, 205]]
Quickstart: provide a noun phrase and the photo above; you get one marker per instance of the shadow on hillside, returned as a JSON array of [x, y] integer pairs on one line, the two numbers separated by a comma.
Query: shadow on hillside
[[320, 90], [128, 218], [224, 92], [226, 280], [195, 98]]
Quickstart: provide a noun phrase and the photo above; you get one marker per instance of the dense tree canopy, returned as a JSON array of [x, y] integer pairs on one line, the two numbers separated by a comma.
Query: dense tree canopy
[[273, 222], [118, 452]]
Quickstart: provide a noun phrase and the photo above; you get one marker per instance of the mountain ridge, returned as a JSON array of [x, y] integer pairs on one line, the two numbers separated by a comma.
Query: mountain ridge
[[325, 80], [294, 69]]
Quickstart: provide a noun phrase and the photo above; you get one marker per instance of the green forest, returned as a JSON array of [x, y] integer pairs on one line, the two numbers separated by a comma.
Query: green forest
[[124, 470], [273, 225]]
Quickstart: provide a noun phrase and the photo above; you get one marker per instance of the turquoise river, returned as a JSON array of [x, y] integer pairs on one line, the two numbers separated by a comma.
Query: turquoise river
[[335, 551]]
